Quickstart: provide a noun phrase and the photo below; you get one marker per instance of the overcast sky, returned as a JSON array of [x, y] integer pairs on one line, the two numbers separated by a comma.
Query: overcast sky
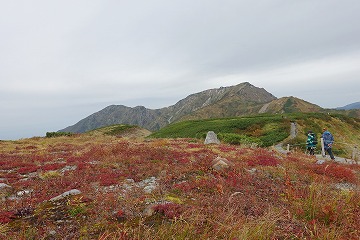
[[62, 60]]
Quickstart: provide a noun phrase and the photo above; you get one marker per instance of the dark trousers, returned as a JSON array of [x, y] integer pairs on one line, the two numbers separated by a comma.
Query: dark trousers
[[311, 150], [329, 151]]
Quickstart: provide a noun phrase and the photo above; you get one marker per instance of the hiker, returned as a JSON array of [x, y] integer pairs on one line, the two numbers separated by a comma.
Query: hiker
[[328, 141], [311, 142]]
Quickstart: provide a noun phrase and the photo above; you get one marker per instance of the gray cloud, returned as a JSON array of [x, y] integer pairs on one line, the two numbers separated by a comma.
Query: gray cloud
[[63, 60]]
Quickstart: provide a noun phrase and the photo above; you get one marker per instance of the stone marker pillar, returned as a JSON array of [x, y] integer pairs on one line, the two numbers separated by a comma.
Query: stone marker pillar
[[322, 147]]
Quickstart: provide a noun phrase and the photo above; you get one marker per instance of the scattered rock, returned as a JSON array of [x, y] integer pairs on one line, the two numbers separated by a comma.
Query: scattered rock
[[68, 168], [148, 184], [320, 161], [94, 162], [211, 137], [4, 185], [149, 189], [345, 186], [24, 192], [65, 194], [221, 163], [251, 171]]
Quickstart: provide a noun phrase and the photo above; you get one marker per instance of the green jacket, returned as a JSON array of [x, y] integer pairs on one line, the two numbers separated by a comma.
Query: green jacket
[[311, 140]]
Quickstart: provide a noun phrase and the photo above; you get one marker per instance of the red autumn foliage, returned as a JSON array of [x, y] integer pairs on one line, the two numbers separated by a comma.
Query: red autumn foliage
[[221, 203], [6, 216], [29, 169], [52, 166], [336, 171], [108, 178], [263, 158], [169, 210]]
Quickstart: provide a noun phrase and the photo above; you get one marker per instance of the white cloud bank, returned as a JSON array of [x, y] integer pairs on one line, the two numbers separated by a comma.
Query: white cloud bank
[[64, 60]]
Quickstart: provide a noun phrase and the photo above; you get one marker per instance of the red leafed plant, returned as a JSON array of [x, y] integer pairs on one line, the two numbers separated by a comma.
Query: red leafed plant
[[6, 216], [52, 167], [335, 171], [263, 158], [169, 210], [28, 169], [108, 178]]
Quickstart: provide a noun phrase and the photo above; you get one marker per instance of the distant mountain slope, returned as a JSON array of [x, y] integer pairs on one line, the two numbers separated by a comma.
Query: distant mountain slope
[[117, 114], [224, 101], [289, 105], [351, 106]]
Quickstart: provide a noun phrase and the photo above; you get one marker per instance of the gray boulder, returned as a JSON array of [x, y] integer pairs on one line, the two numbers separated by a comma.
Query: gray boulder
[[66, 194], [211, 138]]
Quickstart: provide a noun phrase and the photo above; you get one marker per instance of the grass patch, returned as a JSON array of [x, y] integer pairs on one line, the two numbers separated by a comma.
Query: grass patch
[[263, 129], [114, 130]]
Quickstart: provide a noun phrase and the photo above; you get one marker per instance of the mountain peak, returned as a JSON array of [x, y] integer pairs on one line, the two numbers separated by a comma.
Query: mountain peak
[[217, 102]]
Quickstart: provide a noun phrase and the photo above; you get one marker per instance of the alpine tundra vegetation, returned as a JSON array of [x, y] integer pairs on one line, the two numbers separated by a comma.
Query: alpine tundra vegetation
[[118, 182]]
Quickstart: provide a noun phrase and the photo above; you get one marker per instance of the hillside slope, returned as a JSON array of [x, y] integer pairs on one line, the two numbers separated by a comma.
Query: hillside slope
[[267, 130]]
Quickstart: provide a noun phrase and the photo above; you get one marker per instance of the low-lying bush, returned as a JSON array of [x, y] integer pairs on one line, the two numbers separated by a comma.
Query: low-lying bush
[[58, 134]]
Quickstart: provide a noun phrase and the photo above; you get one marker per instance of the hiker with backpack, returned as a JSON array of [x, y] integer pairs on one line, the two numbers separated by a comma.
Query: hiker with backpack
[[311, 142], [328, 141]]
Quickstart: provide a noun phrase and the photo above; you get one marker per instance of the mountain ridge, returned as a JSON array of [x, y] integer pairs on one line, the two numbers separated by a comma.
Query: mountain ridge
[[154, 119], [233, 101]]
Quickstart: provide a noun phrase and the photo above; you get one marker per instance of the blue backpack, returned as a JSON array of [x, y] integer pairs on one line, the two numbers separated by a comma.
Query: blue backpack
[[328, 138]]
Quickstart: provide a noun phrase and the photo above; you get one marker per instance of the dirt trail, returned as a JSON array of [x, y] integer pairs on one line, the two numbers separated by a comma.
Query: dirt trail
[[337, 159]]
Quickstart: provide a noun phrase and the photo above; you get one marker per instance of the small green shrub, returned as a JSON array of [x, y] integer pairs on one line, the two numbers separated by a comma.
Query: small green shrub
[[117, 129], [58, 134]]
